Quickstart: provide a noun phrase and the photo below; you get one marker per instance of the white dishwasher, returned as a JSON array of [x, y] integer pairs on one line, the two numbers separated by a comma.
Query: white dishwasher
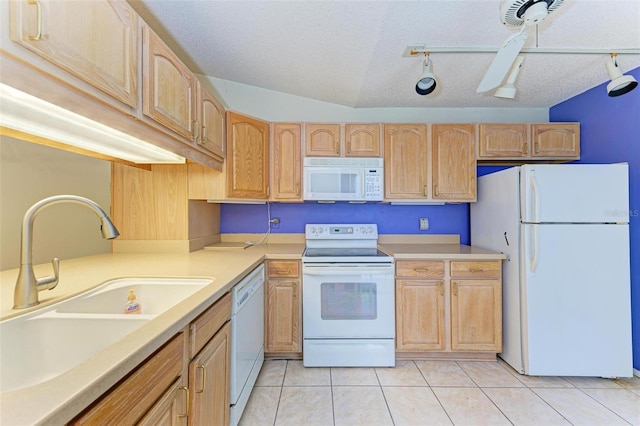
[[247, 339]]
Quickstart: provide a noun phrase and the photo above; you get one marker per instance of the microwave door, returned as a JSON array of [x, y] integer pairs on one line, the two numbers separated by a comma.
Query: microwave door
[[333, 184]]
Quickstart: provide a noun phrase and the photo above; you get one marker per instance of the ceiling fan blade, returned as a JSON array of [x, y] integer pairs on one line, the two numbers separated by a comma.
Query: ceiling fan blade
[[503, 61]]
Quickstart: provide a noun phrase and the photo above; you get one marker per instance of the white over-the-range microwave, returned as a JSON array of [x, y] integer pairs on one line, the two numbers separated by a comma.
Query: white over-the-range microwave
[[343, 179]]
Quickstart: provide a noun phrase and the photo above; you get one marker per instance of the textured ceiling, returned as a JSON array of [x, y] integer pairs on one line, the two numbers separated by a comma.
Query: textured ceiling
[[350, 52]]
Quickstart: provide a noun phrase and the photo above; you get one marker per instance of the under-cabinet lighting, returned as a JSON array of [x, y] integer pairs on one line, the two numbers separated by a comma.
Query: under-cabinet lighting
[[29, 114]]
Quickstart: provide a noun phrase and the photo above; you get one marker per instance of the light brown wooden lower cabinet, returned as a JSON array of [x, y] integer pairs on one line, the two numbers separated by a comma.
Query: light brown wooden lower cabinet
[[170, 410], [186, 381], [283, 309], [209, 400], [449, 309]]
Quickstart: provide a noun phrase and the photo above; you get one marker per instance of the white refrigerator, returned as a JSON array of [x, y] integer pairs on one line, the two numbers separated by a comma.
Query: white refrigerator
[[566, 281]]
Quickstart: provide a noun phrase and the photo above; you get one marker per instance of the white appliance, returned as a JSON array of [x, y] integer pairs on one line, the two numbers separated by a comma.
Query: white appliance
[[247, 339], [343, 179], [348, 298], [566, 280]]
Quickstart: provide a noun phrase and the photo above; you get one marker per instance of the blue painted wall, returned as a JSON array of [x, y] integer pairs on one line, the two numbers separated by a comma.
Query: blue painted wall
[[610, 133], [447, 219]]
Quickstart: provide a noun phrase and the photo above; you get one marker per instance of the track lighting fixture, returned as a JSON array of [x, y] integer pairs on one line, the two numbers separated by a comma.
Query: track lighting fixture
[[427, 81], [620, 84], [508, 89]]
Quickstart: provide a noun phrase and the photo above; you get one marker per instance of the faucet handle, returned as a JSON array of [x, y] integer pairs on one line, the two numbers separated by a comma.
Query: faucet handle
[[49, 283]]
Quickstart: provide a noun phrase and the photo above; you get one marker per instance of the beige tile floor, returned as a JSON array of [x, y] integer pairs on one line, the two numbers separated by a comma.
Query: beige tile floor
[[435, 393]]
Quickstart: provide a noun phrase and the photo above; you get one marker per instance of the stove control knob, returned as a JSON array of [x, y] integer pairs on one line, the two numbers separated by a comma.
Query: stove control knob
[[370, 230], [320, 230], [362, 230]]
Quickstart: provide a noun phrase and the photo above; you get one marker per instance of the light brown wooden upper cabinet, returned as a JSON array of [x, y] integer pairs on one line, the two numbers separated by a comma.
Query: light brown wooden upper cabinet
[[552, 140], [322, 140], [454, 162], [286, 162], [405, 161], [502, 141], [169, 87], [328, 140], [247, 169], [211, 122], [96, 41], [534, 142], [362, 140]]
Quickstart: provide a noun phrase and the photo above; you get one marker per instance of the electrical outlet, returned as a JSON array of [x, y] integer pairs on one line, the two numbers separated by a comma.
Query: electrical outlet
[[424, 223], [275, 223]]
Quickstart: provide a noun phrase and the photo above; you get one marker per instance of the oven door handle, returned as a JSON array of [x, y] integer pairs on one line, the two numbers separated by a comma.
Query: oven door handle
[[347, 270]]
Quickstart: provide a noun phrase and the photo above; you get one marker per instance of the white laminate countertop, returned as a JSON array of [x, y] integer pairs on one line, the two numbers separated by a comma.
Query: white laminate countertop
[[58, 400], [439, 251]]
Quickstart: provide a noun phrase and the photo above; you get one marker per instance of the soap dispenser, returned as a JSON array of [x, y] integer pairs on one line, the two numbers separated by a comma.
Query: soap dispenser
[[132, 306]]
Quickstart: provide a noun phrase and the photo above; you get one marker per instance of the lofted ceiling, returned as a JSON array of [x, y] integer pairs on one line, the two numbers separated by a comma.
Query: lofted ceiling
[[350, 52]]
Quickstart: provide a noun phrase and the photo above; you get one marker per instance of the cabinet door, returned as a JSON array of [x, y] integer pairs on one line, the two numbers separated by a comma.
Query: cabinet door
[[212, 126], [499, 141], [405, 161], [556, 140], [283, 316], [322, 140], [209, 375], [247, 157], [420, 315], [287, 168], [362, 140], [476, 315], [170, 410], [96, 41], [138, 392], [169, 87], [454, 162]]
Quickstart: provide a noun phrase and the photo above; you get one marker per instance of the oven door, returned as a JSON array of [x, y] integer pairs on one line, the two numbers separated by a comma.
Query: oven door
[[355, 301]]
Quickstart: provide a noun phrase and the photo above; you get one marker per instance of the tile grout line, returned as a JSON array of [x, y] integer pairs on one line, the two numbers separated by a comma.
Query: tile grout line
[[435, 395], [386, 403], [600, 403]]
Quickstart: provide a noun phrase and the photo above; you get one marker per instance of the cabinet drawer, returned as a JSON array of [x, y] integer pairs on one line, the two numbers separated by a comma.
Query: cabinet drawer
[[208, 323], [420, 268], [283, 269], [481, 269], [129, 400]]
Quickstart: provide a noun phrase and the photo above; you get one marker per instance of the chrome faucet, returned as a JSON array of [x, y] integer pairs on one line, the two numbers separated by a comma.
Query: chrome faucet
[[27, 285]]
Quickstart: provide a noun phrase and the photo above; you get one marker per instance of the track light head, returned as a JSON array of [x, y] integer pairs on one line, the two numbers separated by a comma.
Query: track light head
[[620, 84], [427, 82]]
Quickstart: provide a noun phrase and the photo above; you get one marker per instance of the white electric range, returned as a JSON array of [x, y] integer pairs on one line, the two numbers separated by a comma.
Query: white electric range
[[348, 298]]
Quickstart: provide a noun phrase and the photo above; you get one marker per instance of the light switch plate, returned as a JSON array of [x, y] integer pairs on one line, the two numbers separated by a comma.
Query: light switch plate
[[424, 223]]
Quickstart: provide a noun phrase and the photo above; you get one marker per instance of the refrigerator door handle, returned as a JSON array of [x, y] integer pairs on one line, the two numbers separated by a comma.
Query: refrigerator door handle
[[534, 248], [536, 197]]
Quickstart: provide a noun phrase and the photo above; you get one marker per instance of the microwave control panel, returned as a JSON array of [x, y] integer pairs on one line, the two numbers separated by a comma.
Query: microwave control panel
[[373, 184]]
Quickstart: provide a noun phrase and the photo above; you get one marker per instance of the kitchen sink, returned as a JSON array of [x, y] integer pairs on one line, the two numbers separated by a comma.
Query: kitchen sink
[[37, 349], [155, 295], [47, 342]]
